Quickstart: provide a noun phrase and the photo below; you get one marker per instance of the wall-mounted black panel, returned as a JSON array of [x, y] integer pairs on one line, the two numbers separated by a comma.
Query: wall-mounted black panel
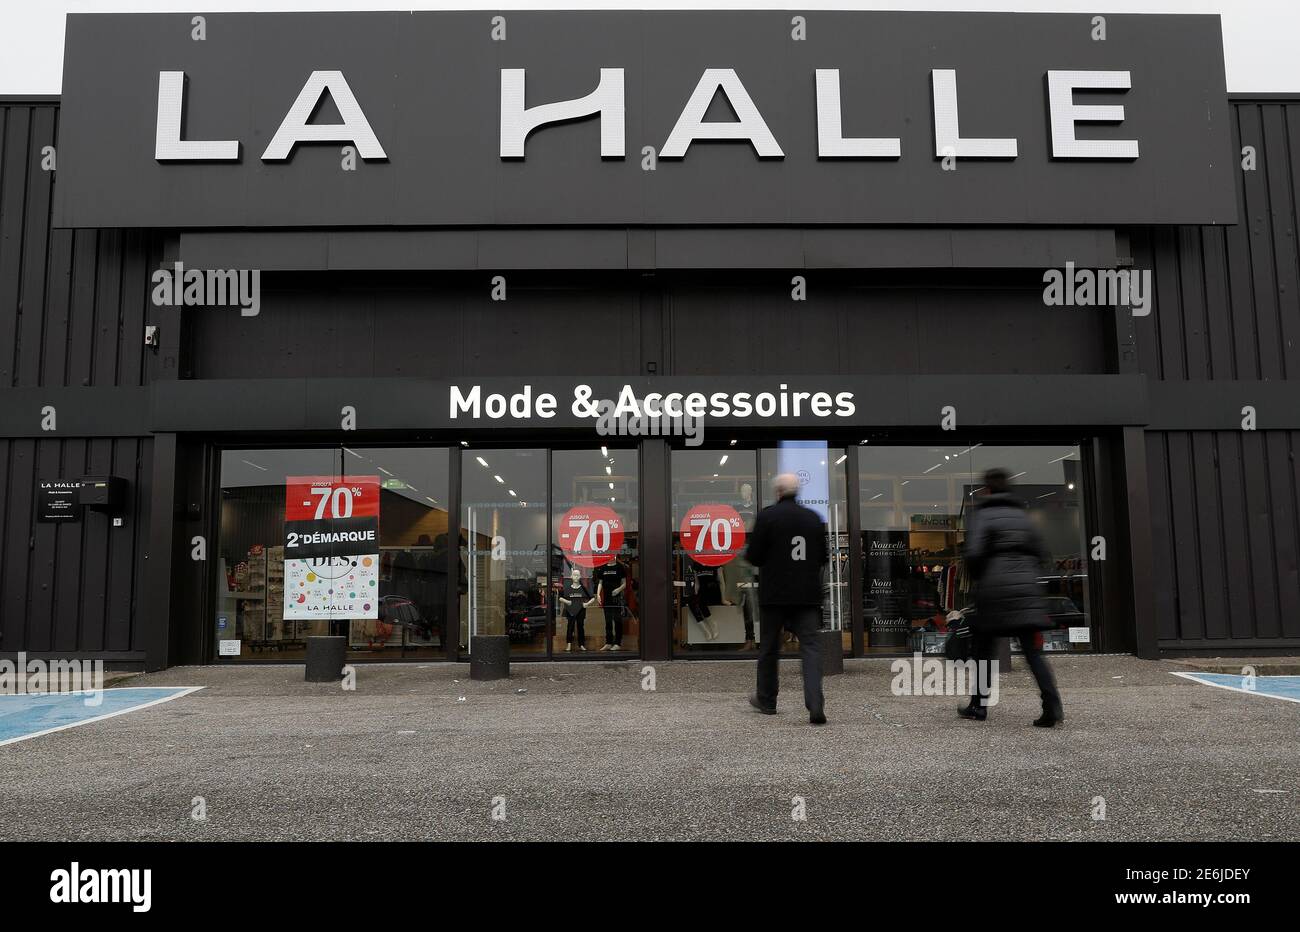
[[709, 248], [430, 87], [72, 587]]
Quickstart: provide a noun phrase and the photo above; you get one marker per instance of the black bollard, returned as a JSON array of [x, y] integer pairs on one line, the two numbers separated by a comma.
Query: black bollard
[[325, 659]]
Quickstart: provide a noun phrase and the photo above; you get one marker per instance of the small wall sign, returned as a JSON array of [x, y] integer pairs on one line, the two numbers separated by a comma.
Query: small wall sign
[[57, 500]]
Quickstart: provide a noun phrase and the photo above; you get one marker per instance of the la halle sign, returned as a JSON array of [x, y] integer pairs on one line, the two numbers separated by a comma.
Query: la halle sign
[[607, 103]]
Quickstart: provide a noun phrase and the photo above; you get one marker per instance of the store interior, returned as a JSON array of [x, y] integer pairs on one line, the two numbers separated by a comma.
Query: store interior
[[549, 546], [916, 504]]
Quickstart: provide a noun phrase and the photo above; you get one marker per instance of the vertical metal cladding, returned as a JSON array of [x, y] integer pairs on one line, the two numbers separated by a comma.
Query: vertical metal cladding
[[68, 301], [1226, 503]]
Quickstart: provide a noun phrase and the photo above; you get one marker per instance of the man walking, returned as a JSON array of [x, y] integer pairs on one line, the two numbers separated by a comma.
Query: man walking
[[788, 545]]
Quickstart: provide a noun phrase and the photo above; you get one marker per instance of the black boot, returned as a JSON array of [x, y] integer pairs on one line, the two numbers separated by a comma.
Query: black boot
[[973, 710], [1052, 714]]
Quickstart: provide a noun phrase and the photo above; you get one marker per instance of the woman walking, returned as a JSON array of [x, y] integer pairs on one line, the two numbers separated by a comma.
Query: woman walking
[[1004, 554]]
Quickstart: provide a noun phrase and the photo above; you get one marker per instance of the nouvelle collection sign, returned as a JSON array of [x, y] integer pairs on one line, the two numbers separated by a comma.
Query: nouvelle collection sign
[[642, 118]]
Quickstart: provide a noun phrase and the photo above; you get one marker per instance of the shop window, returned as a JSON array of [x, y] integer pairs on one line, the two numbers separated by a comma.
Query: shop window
[[716, 495], [594, 520], [916, 505], [507, 551], [824, 488], [1049, 480], [332, 541]]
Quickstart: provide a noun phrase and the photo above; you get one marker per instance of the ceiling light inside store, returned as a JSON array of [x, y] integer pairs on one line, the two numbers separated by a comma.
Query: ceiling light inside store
[[877, 495], [1019, 474], [1070, 486], [611, 485], [254, 465], [843, 457], [499, 479], [512, 493], [464, 443], [609, 471], [733, 443], [1059, 458], [933, 468], [604, 452], [354, 453], [384, 471], [723, 461], [482, 462]]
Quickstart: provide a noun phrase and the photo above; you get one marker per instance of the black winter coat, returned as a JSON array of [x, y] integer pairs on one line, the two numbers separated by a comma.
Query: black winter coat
[[783, 580], [1004, 554]]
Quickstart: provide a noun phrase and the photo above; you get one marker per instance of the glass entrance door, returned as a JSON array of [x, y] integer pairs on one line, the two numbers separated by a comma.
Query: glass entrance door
[[716, 496], [508, 557]]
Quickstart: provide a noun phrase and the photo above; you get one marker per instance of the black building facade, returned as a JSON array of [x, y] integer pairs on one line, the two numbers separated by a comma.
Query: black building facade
[[159, 460]]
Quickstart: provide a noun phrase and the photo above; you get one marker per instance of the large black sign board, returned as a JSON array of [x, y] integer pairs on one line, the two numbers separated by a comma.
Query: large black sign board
[[57, 500], [430, 86]]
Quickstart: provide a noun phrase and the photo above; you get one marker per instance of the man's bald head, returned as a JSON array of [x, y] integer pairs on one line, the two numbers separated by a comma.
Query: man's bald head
[[786, 485]]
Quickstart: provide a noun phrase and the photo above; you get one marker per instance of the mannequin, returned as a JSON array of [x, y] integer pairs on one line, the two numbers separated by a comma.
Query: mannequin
[[574, 601], [611, 584], [698, 607]]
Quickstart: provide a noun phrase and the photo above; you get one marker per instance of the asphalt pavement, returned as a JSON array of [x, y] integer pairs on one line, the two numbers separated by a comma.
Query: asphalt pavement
[[584, 751]]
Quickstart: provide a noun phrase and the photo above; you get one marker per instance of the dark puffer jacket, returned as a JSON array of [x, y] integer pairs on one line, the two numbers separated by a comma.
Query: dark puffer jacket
[[1004, 553]]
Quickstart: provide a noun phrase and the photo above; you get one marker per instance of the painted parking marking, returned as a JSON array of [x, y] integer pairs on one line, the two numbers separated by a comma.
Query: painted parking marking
[[1286, 688], [30, 715]]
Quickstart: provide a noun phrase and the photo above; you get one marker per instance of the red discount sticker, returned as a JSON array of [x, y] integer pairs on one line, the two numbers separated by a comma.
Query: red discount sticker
[[322, 498], [590, 535], [712, 534]]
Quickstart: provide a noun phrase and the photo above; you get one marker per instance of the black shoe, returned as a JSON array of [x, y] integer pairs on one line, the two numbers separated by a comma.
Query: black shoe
[[753, 700], [972, 711], [817, 718], [1050, 717]]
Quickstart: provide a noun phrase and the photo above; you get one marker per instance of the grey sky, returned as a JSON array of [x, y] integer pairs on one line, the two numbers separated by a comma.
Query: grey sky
[[1261, 37]]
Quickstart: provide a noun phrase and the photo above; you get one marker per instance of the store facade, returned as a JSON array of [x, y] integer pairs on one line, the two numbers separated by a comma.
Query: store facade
[[396, 431]]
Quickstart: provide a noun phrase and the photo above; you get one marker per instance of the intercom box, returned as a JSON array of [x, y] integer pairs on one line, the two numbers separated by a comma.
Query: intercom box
[[103, 492]]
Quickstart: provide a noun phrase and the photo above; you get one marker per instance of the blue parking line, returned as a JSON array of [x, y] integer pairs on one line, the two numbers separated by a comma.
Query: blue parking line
[[1286, 688], [29, 715]]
